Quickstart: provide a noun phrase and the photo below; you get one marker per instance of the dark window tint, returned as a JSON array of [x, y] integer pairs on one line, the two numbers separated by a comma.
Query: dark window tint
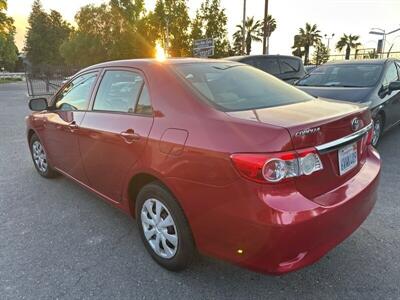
[[346, 75], [76, 94], [269, 65], [289, 65], [144, 106], [118, 91], [233, 87], [390, 75]]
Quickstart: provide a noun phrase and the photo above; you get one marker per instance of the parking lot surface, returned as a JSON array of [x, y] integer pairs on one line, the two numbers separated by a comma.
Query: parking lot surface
[[59, 241]]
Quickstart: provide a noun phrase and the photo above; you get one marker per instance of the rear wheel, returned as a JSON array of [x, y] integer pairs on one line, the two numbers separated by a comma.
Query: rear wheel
[[378, 129], [39, 158], [163, 227]]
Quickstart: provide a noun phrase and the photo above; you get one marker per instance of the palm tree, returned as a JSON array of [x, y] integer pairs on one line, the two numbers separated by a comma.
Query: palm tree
[[307, 38], [348, 41], [271, 27], [253, 33], [3, 4]]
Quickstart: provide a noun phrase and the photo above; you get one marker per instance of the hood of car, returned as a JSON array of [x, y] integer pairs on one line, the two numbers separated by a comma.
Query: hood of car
[[339, 93]]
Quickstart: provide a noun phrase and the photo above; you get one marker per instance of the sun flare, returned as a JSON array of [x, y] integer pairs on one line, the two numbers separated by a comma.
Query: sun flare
[[161, 54]]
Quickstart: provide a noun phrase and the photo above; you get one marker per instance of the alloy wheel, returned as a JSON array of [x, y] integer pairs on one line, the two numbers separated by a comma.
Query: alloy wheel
[[159, 228], [39, 156]]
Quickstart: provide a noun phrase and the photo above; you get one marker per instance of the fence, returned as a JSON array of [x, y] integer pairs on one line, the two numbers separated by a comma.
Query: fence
[[45, 80]]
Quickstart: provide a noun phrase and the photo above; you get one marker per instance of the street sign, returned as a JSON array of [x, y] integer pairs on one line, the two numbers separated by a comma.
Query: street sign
[[203, 48], [379, 48]]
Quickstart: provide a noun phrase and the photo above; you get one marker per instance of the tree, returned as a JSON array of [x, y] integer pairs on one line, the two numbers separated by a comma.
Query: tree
[[321, 54], [307, 38], [46, 32], [253, 34], [349, 42], [211, 22], [271, 27], [170, 22], [8, 49]]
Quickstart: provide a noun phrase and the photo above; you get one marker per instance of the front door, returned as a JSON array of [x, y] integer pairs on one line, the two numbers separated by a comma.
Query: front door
[[392, 99], [62, 125], [113, 135]]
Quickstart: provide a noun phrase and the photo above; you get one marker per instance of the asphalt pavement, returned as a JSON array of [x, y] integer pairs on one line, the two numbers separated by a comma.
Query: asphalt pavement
[[59, 241]]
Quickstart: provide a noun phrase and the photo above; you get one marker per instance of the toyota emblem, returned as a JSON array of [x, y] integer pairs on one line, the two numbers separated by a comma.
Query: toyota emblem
[[355, 124]]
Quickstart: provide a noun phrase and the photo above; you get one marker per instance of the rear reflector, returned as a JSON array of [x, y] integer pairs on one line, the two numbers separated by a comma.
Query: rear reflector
[[276, 167]]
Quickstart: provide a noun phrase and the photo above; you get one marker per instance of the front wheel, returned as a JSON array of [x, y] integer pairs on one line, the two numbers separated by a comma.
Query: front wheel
[[163, 227], [39, 157], [378, 129]]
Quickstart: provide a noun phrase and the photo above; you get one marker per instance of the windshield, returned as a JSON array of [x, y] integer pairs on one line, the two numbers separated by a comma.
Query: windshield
[[235, 87], [346, 75]]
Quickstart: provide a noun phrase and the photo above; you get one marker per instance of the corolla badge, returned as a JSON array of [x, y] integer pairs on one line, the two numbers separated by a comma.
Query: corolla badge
[[355, 124], [308, 131]]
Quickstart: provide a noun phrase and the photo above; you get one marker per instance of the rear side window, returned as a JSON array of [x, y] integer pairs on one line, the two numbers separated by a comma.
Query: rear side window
[[143, 106], [235, 87], [76, 94], [289, 65], [118, 91]]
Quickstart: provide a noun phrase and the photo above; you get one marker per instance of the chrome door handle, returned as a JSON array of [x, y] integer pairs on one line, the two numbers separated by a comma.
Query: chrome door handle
[[129, 136], [72, 125]]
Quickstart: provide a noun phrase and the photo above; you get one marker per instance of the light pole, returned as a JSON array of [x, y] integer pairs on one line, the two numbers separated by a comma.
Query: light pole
[[244, 28], [329, 37], [382, 32], [265, 49]]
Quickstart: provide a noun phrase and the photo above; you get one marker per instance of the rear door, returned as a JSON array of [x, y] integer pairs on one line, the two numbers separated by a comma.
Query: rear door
[[113, 134]]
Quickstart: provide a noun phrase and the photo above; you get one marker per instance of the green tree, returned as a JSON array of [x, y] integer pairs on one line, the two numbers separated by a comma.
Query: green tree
[[307, 38], [8, 49], [46, 32], [270, 28], [321, 54], [253, 34], [349, 42], [211, 22], [170, 23]]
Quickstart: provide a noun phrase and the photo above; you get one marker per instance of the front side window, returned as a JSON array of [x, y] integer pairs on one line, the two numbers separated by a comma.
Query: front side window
[[118, 91], [390, 75], [346, 75], [76, 94], [235, 87]]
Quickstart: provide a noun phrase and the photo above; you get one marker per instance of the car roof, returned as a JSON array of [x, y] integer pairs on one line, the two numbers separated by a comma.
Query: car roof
[[240, 57], [361, 61]]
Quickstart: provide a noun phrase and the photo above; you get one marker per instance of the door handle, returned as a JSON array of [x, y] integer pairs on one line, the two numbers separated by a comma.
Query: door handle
[[72, 125], [129, 136]]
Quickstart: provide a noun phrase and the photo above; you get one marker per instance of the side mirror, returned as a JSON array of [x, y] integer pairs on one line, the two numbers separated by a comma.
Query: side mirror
[[38, 104], [394, 86]]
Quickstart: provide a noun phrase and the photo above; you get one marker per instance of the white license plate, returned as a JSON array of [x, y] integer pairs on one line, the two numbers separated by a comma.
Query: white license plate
[[347, 158]]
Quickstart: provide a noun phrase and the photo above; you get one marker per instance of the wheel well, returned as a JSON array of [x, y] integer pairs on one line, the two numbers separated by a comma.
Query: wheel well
[[136, 183], [30, 133]]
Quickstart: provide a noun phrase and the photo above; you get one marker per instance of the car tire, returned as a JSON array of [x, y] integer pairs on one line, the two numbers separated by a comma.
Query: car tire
[[39, 157], [164, 228], [378, 130]]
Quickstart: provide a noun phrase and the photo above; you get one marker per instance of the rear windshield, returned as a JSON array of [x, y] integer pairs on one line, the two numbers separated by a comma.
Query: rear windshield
[[346, 75], [235, 87]]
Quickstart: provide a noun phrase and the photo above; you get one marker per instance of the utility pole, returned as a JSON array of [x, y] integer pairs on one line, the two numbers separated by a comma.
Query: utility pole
[[265, 49], [244, 28]]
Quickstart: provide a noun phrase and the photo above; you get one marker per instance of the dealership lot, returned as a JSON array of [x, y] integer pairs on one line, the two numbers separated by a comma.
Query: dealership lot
[[57, 240]]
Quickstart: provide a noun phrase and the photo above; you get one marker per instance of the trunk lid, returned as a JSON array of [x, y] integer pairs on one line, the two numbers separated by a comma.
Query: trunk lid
[[314, 123]]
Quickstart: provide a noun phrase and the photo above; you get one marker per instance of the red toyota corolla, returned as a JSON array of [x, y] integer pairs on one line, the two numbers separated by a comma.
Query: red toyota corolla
[[213, 156]]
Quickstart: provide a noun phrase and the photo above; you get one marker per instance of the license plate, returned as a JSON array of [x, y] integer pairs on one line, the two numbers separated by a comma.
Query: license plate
[[347, 158]]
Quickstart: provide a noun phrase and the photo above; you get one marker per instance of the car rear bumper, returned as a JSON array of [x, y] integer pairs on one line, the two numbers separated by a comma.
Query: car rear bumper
[[278, 231]]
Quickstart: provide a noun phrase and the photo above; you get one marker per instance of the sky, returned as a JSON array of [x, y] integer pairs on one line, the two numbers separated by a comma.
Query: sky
[[331, 16]]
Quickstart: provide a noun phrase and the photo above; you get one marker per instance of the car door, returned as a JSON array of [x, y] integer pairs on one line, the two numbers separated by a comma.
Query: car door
[[113, 134], [391, 100], [62, 124]]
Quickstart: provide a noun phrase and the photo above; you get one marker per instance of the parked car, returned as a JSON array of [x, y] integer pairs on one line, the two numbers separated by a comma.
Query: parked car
[[373, 82], [309, 68], [287, 68], [212, 155]]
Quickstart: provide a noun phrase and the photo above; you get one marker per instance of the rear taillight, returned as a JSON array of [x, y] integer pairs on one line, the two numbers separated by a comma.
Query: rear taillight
[[276, 167]]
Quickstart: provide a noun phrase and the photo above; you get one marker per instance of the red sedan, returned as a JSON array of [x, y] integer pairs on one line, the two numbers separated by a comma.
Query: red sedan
[[213, 156]]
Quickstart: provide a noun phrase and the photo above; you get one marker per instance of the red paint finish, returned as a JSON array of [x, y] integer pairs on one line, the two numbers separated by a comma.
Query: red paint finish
[[187, 145]]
